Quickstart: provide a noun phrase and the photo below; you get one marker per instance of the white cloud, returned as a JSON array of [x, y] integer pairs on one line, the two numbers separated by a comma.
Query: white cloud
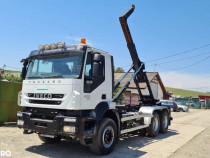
[[195, 82]]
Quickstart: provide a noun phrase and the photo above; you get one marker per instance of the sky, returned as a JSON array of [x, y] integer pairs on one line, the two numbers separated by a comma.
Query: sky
[[159, 29]]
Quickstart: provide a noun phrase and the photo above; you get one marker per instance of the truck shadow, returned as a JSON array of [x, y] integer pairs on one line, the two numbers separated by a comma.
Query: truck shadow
[[128, 146]]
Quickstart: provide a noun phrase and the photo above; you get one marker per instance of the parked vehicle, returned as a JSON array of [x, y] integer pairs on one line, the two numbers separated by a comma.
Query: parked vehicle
[[67, 93], [194, 103], [182, 107], [170, 104], [203, 103], [190, 103]]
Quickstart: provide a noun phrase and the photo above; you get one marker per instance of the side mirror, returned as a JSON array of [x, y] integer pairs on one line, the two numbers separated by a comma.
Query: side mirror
[[98, 66], [24, 69], [98, 58], [97, 70]]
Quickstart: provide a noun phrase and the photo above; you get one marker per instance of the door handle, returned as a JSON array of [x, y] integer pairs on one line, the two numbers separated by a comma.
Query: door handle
[[103, 96]]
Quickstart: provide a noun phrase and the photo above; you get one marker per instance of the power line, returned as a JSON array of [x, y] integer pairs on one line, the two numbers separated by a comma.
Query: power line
[[176, 54], [12, 67], [180, 59], [156, 64], [199, 87], [188, 65], [187, 51]]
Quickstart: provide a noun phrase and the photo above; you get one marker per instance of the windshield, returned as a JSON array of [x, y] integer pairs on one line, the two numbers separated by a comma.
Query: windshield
[[68, 66]]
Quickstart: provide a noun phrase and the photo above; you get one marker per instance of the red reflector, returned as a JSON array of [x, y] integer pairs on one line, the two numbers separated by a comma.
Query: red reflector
[[83, 120]]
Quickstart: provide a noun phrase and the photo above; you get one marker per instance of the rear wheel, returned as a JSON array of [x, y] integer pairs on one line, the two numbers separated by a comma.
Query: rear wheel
[[105, 139], [164, 120], [154, 127], [50, 140]]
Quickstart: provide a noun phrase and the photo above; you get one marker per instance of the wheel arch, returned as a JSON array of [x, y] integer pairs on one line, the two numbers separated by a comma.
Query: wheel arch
[[113, 114], [150, 111], [102, 110]]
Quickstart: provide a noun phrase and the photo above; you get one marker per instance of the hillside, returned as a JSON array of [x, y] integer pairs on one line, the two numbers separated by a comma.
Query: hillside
[[11, 71], [185, 93]]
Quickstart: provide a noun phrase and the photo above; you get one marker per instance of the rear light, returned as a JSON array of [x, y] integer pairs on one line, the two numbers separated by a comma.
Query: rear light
[[175, 105]]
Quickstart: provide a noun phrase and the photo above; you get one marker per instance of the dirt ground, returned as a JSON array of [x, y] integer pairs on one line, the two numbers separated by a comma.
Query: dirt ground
[[188, 136]]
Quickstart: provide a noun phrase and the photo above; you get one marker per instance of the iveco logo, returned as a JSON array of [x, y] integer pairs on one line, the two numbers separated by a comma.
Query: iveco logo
[[43, 95]]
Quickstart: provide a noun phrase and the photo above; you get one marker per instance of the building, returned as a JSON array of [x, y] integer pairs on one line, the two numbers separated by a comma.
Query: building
[[131, 95], [202, 97]]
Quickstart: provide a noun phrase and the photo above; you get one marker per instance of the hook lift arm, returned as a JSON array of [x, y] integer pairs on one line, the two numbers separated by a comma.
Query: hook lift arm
[[138, 66]]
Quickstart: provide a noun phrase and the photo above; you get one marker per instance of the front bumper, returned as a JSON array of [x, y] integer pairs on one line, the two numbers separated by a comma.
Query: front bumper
[[185, 109], [56, 125]]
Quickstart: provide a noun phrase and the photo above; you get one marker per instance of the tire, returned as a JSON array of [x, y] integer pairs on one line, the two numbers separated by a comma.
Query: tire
[[48, 140], [105, 138], [143, 132], [154, 127], [164, 121], [179, 109]]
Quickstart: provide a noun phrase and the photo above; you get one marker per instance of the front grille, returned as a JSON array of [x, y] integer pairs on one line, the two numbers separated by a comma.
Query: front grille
[[50, 102], [42, 95]]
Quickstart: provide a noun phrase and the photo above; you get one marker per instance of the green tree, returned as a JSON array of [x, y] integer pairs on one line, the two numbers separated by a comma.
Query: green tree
[[119, 70], [12, 78], [120, 99]]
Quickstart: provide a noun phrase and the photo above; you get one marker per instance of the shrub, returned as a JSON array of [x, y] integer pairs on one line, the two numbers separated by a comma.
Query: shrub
[[120, 99]]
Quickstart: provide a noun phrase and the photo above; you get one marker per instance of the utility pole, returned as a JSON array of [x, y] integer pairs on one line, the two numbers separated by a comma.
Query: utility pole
[[154, 66], [4, 66]]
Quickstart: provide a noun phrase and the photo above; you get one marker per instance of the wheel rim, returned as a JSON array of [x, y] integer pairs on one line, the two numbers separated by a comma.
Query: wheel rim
[[165, 121], [155, 124], [108, 137]]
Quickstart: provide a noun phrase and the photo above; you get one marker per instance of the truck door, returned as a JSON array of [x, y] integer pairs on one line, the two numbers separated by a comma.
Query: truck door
[[94, 76]]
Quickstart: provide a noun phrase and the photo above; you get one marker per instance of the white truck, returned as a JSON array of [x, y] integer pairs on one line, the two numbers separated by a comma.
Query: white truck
[[67, 93]]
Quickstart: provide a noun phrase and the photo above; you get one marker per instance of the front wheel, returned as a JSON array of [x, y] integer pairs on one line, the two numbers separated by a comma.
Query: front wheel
[[154, 127], [105, 139]]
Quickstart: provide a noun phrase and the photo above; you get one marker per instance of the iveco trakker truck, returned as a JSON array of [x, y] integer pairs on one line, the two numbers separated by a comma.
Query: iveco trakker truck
[[67, 93]]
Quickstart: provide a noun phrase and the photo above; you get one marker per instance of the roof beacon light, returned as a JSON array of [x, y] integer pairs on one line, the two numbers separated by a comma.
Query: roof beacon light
[[47, 47], [53, 46], [83, 41], [41, 47], [61, 44]]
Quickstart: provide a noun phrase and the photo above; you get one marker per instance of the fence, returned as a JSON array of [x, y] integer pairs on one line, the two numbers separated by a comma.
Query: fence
[[190, 102], [8, 101], [207, 105]]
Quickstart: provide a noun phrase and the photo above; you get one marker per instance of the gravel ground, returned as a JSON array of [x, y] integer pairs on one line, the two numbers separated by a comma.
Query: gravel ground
[[188, 136]]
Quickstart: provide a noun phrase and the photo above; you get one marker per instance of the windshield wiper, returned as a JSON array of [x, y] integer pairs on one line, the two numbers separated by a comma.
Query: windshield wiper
[[34, 77], [54, 77]]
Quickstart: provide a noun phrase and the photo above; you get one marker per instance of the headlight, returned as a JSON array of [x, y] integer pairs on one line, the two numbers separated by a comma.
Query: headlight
[[20, 122], [69, 129], [19, 98], [19, 114]]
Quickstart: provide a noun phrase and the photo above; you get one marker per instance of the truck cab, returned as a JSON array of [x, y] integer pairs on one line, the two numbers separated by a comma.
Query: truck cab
[[68, 78], [66, 90]]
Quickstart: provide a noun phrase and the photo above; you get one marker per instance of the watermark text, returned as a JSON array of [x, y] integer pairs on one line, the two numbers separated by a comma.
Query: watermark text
[[5, 153]]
